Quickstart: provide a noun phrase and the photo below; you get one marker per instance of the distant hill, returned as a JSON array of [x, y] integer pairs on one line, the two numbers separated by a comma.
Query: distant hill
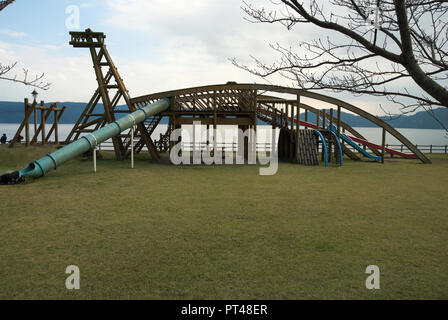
[[12, 112]]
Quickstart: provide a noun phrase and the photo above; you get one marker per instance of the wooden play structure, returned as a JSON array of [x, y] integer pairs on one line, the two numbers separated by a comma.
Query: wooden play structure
[[39, 129], [236, 104]]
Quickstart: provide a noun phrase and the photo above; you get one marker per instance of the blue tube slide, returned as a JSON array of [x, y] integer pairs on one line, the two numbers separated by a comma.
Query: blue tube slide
[[53, 160], [339, 146], [355, 145], [324, 146]]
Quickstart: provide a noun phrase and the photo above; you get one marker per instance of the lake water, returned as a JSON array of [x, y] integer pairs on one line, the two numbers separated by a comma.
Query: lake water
[[416, 136]]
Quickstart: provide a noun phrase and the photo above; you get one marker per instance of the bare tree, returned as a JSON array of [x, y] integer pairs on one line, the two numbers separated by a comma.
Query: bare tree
[[383, 42], [3, 4], [5, 70]]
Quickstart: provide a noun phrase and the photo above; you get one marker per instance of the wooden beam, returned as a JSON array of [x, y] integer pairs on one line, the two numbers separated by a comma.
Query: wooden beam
[[56, 125], [118, 147], [22, 125], [41, 128]]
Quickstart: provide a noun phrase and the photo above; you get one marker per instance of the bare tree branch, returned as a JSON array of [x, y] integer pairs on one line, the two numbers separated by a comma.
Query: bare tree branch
[[5, 3], [36, 81], [5, 69], [408, 40]]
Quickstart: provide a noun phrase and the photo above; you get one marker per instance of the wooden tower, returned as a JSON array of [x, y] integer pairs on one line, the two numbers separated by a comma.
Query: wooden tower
[[110, 90]]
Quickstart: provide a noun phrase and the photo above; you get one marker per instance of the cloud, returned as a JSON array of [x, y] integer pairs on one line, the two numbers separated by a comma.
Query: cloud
[[71, 76], [87, 5], [178, 44], [14, 34], [217, 27]]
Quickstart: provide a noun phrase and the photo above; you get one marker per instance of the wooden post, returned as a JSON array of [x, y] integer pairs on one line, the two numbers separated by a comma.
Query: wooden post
[[27, 124], [383, 144], [35, 116], [291, 135], [56, 123], [339, 128], [42, 120], [324, 117], [297, 157], [306, 117], [22, 125], [53, 127], [339, 123], [331, 118], [208, 136]]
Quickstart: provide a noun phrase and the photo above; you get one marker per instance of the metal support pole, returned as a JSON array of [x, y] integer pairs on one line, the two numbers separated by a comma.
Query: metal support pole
[[94, 159], [132, 146], [330, 145], [383, 145], [291, 134], [297, 157]]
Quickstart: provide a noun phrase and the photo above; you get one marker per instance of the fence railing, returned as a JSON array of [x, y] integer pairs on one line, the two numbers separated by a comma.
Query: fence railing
[[266, 146], [425, 148], [188, 146]]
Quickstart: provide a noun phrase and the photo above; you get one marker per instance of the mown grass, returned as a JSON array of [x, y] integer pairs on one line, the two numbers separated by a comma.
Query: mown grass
[[224, 232]]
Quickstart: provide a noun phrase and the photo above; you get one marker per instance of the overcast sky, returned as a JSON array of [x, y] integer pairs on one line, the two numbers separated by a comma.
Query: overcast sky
[[157, 45]]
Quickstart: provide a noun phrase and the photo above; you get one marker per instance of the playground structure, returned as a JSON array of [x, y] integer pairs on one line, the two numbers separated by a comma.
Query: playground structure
[[236, 104], [45, 112]]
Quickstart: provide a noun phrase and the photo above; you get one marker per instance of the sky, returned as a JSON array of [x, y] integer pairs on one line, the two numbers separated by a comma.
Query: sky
[[156, 45]]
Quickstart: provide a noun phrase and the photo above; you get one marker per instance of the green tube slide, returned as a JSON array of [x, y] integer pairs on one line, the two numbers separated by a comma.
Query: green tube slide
[[53, 160]]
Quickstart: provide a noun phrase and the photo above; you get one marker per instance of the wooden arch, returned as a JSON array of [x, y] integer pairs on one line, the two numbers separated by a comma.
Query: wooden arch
[[222, 90]]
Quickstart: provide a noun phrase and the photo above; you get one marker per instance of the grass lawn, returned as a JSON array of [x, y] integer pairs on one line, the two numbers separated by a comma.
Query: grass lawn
[[224, 232]]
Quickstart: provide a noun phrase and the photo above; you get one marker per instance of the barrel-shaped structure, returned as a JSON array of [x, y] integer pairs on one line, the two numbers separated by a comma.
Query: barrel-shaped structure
[[53, 160]]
